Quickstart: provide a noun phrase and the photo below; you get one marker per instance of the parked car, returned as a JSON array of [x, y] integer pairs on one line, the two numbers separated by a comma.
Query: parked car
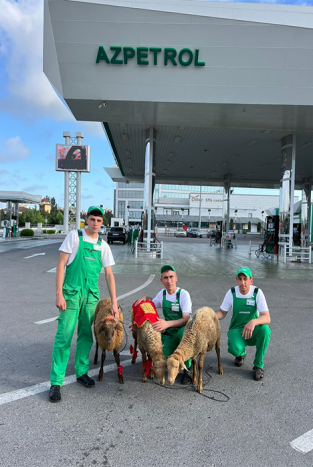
[[116, 234], [180, 232], [102, 230], [211, 233], [194, 233]]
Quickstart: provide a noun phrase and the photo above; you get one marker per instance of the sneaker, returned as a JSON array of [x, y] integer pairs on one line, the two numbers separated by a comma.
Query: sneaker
[[55, 393], [186, 378], [258, 373], [86, 381], [239, 360]]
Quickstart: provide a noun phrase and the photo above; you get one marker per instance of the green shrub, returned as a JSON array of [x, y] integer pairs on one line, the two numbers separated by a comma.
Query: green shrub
[[50, 231], [244, 231], [258, 227], [60, 231], [27, 233], [44, 231]]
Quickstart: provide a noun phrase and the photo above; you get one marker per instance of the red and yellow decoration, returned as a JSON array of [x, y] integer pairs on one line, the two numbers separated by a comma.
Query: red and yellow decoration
[[144, 311]]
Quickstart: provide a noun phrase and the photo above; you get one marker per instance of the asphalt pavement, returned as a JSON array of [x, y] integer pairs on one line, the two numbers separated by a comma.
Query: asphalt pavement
[[236, 422]]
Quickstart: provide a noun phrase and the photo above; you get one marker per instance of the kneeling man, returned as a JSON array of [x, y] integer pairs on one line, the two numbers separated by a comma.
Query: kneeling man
[[249, 323]]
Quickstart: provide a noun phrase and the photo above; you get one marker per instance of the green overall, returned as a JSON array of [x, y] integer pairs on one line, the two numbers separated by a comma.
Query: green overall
[[81, 293], [171, 337], [244, 310]]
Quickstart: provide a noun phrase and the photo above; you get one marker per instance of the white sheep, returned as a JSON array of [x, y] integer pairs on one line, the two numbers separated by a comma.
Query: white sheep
[[109, 334], [202, 333]]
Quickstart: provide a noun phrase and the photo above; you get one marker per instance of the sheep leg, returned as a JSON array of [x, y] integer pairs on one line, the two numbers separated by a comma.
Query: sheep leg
[[194, 371], [135, 347], [95, 359], [101, 367], [217, 348], [200, 368], [151, 372], [144, 359], [117, 359]]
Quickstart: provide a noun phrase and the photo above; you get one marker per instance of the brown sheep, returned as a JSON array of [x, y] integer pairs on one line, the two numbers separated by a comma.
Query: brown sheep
[[109, 334], [150, 345], [201, 334]]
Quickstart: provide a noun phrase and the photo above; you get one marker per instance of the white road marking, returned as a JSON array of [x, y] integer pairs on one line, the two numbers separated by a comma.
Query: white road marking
[[42, 387], [304, 443], [118, 298], [52, 270], [37, 254]]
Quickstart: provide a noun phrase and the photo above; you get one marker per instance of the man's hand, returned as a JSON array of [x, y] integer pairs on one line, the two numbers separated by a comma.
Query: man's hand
[[60, 302], [142, 299], [248, 329], [114, 310], [160, 325]]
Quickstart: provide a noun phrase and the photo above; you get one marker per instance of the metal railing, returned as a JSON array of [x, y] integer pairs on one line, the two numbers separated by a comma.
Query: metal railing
[[153, 249], [297, 254], [229, 241]]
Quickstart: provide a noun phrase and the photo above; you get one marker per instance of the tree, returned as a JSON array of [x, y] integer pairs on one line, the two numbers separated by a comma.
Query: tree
[[54, 206], [231, 224], [259, 227], [32, 215], [249, 226], [107, 217]]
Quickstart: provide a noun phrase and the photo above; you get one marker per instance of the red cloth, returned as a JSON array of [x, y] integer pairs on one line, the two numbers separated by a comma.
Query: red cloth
[[143, 312], [120, 370], [148, 366]]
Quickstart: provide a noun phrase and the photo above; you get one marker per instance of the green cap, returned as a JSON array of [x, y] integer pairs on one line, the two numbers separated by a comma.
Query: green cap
[[95, 208], [167, 267], [246, 271]]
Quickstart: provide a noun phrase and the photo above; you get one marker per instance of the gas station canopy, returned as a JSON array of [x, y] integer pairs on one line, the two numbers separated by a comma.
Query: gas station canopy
[[221, 83], [19, 197]]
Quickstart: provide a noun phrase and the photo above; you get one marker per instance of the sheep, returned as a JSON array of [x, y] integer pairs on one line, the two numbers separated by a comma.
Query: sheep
[[202, 332], [149, 343], [109, 334]]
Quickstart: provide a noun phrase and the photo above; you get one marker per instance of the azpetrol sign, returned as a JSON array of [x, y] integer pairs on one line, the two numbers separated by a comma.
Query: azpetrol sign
[[149, 55]]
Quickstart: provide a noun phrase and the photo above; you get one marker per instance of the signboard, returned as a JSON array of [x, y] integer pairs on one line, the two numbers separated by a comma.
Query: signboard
[[208, 200], [72, 158]]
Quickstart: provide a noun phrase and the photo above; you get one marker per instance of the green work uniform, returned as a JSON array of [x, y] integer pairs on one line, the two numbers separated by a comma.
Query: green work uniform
[[171, 337], [244, 310], [81, 293]]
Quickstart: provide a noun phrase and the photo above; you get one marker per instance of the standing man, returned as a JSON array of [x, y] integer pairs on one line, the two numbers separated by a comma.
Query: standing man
[[177, 307], [83, 253], [249, 323]]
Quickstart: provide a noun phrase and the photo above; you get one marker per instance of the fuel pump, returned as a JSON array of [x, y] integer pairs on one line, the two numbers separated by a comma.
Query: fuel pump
[[271, 235]]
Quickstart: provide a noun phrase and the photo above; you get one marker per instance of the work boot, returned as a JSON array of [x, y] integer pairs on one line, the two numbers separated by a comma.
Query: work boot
[[186, 378], [239, 360], [86, 381], [258, 373], [55, 393]]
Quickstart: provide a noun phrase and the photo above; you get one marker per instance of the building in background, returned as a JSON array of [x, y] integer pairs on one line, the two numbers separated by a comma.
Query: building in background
[[45, 205], [176, 205]]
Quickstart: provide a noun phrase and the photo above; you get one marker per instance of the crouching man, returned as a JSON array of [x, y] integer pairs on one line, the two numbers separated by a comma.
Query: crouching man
[[176, 306], [84, 253], [249, 323]]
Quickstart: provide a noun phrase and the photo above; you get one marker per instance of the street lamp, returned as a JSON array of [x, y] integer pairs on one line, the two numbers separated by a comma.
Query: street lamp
[[236, 210], [182, 213], [209, 217]]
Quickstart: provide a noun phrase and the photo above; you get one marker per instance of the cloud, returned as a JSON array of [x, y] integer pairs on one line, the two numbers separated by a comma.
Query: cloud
[[13, 150], [35, 188], [21, 32], [103, 185], [87, 196], [4, 172]]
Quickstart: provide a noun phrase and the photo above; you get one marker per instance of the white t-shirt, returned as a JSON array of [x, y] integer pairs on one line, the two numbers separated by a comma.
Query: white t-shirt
[[261, 304], [71, 243], [184, 300]]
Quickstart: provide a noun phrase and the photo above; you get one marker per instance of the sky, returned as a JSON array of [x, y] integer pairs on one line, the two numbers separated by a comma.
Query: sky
[[33, 118]]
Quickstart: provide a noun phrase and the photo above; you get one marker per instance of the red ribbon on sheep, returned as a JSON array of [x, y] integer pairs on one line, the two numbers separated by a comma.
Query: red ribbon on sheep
[[132, 351], [120, 370]]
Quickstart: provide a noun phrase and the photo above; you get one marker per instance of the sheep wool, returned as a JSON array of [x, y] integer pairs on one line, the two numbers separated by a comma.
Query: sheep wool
[[109, 335], [202, 333], [148, 340]]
